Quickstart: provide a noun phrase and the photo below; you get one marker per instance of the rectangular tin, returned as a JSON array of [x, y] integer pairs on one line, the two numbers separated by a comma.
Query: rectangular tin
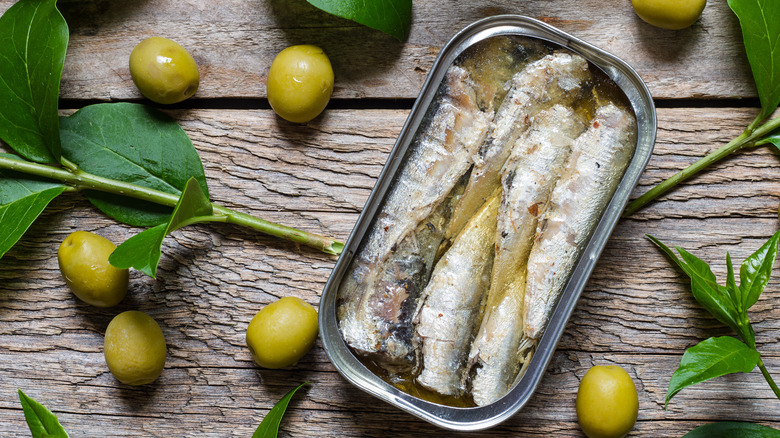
[[477, 418]]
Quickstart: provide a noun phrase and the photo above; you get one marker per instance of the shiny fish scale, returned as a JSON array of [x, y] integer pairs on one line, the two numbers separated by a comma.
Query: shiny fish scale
[[529, 175], [556, 78], [528, 178], [500, 349], [451, 303], [599, 158], [437, 161]]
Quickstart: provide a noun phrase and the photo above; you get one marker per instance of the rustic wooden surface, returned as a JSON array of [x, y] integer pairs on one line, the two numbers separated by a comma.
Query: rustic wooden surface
[[636, 311]]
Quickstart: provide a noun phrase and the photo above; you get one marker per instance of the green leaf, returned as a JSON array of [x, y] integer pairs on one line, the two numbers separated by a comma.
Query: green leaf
[[41, 421], [707, 291], [392, 17], [731, 283], [755, 271], [731, 429], [713, 297], [143, 250], [711, 358], [193, 207], [136, 144], [761, 35], [33, 41], [269, 427], [773, 138], [22, 199]]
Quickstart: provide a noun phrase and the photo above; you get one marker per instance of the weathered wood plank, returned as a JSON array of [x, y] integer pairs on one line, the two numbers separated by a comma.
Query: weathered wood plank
[[219, 401], [636, 310], [235, 43], [259, 161], [254, 159], [210, 275]]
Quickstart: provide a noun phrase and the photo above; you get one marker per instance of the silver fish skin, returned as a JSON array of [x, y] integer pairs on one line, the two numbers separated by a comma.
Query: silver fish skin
[[451, 303], [528, 178], [556, 78], [599, 159], [438, 159], [501, 348]]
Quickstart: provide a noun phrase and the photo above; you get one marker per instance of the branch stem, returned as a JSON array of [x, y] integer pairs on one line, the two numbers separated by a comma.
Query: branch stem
[[325, 244], [769, 379], [81, 180], [746, 139]]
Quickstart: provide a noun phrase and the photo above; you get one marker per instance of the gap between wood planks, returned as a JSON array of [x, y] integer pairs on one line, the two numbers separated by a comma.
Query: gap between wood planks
[[240, 103]]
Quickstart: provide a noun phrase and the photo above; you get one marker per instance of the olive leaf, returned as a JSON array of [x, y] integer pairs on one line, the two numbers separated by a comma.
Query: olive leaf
[[33, 41], [392, 17], [269, 427], [755, 271], [713, 297], [143, 250], [136, 144], [731, 429], [760, 31], [41, 421], [773, 138], [22, 199], [731, 284], [713, 357]]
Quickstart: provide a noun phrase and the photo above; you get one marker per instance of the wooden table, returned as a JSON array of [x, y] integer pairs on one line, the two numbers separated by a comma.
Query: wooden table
[[636, 311]]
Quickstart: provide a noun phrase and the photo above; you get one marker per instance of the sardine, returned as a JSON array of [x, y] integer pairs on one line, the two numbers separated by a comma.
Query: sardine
[[599, 159], [438, 159], [529, 175], [402, 280], [500, 349], [556, 78], [452, 301]]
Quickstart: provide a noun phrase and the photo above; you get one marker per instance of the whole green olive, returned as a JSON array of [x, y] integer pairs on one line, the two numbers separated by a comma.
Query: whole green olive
[[83, 260], [134, 348], [607, 403], [300, 83], [163, 71], [282, 332], [669, 14]]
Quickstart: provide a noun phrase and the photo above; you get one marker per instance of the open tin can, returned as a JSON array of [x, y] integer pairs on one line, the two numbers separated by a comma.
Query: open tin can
[[477, 418]]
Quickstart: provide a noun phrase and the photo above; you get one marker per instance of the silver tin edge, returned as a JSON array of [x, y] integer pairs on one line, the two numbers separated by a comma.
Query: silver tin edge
[[478, 418]]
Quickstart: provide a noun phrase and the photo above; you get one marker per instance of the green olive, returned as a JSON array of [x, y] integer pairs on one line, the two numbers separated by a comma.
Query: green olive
[[282, 332], [163, 71], [607, 403], [134, 348], [669, 14], [300, 82], [83, 260]]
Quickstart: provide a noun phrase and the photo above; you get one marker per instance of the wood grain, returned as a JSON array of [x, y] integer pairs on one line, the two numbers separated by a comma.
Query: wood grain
[[636, 311], [235, 43]]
